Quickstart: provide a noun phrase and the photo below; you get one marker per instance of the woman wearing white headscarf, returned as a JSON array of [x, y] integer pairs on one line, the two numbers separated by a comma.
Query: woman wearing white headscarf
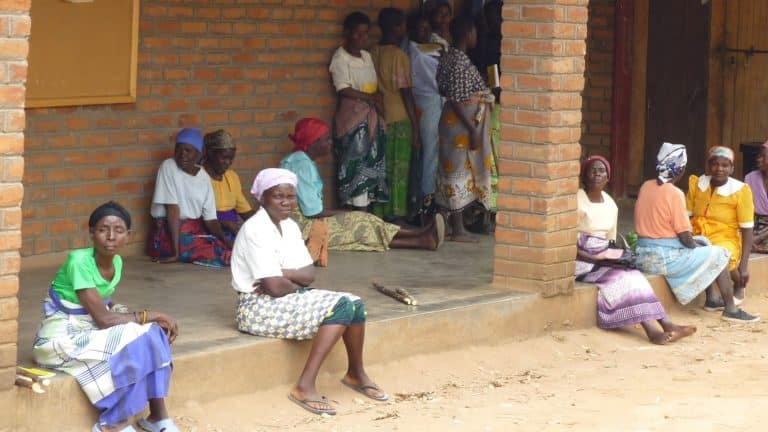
[[667, 247], [272, 271]]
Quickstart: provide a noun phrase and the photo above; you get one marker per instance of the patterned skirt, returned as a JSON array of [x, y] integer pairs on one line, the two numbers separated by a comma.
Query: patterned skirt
[[361, 164], [687, 271], [624, 296], [196, 244], [463, 175], [295, 316], [352, 231], [119, 368]]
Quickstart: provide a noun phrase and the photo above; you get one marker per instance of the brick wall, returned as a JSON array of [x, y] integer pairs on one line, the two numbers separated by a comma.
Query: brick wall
[[251, 67], [543, 64], [14, 31], [598, 88]]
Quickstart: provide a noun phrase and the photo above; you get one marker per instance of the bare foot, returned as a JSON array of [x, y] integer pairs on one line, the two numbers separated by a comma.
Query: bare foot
[[681, 332], [661, 338]]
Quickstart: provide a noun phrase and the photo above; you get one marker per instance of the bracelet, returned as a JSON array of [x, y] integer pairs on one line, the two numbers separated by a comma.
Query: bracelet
[[144, 315]]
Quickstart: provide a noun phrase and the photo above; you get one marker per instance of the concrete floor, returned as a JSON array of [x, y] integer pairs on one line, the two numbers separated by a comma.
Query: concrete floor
[[203, 302]]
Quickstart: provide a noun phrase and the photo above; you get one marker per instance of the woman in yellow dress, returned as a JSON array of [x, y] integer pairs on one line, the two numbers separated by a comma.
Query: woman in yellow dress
[[722, 210]]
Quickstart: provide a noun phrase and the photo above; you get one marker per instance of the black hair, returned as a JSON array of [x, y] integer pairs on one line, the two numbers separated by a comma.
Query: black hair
[[390, 18], [110, 208], [413, 20], [355, 19], [493, 6], [438, 5], [460, 27]]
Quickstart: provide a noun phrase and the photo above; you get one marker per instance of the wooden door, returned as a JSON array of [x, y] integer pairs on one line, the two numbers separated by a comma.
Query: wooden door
[[676, 92], [745, 68]]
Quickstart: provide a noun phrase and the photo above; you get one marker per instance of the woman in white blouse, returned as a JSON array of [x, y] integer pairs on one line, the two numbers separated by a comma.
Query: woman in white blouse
[[272, 271]]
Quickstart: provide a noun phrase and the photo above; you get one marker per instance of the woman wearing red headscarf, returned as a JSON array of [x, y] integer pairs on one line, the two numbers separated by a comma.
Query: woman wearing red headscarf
[[624, 296], [347, 230]]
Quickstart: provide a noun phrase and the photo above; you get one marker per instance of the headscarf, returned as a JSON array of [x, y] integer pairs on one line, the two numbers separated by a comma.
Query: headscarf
[[670, 161], [191, 136], [110, 208], [307, 131], [589, 160], [271, 177], [219, 140], [720, 151]]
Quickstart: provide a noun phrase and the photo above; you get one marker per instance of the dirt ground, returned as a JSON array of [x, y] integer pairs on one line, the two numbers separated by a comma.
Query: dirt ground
[[579, 380]]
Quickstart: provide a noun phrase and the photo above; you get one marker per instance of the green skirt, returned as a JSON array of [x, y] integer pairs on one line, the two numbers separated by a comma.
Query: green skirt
[[398, 159]]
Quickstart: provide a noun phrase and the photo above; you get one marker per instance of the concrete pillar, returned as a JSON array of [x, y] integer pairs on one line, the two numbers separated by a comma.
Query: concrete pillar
[[14, 33], [542, 79]]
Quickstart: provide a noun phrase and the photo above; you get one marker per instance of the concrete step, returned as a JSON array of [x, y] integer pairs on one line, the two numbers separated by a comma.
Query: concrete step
[[239, 365]]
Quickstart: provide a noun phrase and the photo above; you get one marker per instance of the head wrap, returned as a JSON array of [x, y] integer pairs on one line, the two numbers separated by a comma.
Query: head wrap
[[219, 140], [271, 177], [191, 136], [720, 151], [307, 131], [588, 161], [670, 161], [110, 208]]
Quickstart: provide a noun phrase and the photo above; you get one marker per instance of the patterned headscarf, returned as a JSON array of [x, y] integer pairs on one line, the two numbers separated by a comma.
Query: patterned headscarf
[[720, 151], [218, 140], [307, 131], [670, 161], [271, 177], [589, 160]]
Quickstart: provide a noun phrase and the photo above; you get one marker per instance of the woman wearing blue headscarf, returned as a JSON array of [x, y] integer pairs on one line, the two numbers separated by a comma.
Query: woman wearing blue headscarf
[[186, 227], [667, 247]]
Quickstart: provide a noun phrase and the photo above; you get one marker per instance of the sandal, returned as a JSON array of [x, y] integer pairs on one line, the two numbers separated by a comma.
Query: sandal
[[305, 403], [362, 390], [164, 425], [97, 428]]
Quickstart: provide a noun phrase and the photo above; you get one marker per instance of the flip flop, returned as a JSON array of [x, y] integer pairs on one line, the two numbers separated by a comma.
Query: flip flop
[[305, 404], [362, 390], [164, 425], [440, 227], [129, 428]]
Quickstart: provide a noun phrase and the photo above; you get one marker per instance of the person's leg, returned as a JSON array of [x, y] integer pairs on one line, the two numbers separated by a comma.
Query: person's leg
[[157, 410], [738, 288], [677, 331], [458, 232], [354, 339], [725, 286], [324, 340], [417, 238], [654, 335]]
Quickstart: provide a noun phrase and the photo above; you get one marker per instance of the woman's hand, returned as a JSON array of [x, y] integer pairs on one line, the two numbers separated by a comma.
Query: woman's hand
[[231, 226], [743, 275], [168, 324]]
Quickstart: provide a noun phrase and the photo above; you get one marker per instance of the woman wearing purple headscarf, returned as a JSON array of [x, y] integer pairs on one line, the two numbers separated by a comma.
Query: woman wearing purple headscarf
[[758, 182]]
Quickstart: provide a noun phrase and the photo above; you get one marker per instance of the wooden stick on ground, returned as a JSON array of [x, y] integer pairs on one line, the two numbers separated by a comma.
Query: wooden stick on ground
[[399, 294], [24, 381]]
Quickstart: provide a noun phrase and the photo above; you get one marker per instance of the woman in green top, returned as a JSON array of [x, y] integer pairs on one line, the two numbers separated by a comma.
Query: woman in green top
[[121, 359]]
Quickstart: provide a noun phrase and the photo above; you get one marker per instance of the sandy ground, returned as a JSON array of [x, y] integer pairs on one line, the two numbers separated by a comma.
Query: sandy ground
[[579, 380]]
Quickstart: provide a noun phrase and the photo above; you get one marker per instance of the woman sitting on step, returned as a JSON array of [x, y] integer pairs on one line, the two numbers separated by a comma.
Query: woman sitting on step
[[346, 230], [186, 228], [231, 206], [121, 359], [722, 210], [272, 271], [758, 182], [667, 247], [624, 296]]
